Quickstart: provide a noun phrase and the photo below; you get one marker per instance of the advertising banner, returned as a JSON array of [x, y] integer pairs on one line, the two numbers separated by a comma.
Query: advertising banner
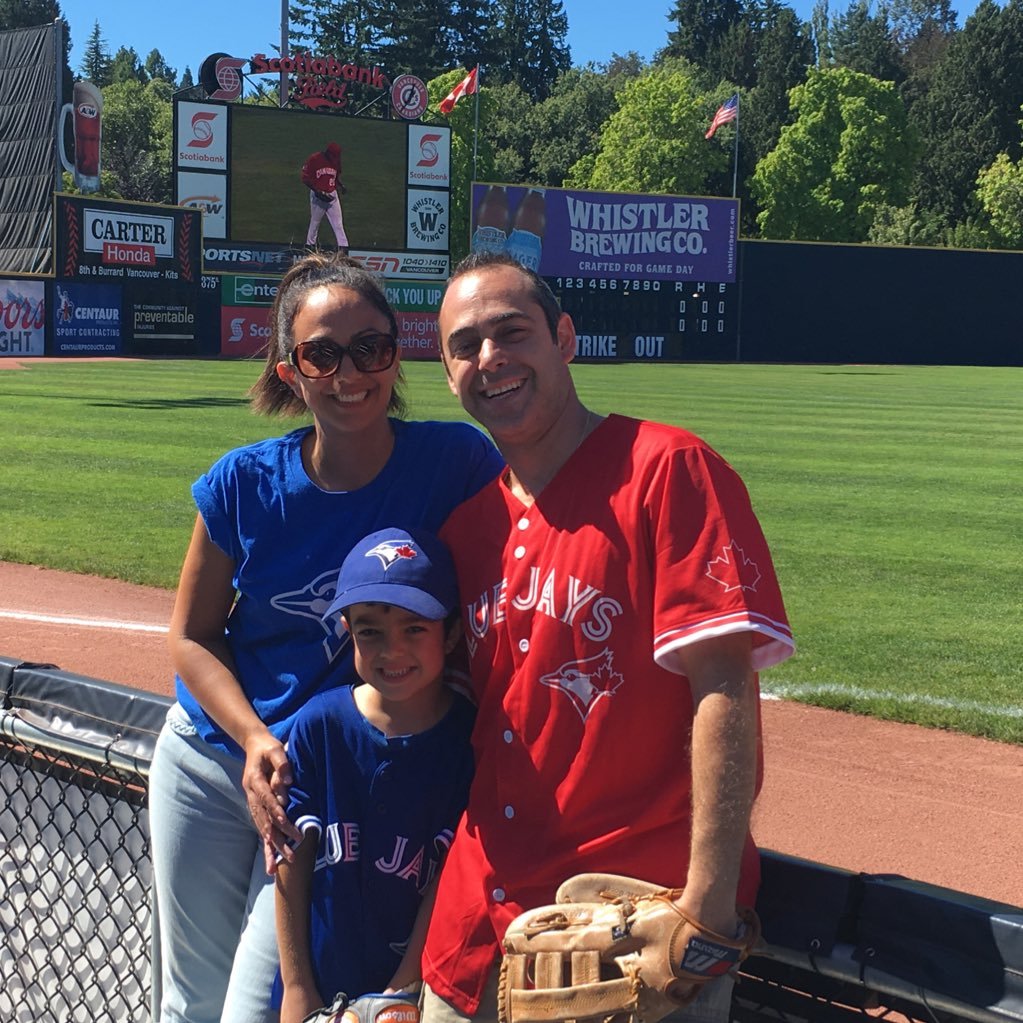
[[116, 242], [429, 155], [86, 319], [206, 193], [247, 290], [160, 319], [244, 330], [569, 233], [201, 136], [22, 318], [228, 256], [415, 307], [427, 219]]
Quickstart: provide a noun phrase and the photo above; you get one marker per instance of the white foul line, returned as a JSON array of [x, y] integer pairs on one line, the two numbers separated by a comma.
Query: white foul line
[[87, 623]]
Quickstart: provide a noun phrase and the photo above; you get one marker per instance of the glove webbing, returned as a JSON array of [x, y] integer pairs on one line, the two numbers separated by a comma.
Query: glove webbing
[[590, 998]]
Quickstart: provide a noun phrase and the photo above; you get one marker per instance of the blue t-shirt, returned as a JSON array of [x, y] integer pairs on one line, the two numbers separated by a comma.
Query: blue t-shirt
[[385, 811], [287, 538]]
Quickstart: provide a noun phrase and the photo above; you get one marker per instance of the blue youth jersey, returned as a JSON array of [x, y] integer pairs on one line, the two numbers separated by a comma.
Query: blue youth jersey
[[385, 811], [287, 539]]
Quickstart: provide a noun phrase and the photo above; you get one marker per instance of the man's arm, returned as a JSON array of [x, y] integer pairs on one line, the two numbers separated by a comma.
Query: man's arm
[[294, 886], [724, 765]]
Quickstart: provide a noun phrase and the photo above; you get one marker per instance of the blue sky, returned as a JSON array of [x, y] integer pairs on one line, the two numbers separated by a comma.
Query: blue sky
[[186, 31]]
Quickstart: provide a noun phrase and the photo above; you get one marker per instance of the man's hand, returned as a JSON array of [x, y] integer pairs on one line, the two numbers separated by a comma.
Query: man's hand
[[326, 197]]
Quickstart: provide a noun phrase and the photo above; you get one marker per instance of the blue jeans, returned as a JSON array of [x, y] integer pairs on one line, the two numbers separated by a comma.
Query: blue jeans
[[214, 941]]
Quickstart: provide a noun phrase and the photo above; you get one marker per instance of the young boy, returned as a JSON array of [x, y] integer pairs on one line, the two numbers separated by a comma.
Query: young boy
[[381, 775]]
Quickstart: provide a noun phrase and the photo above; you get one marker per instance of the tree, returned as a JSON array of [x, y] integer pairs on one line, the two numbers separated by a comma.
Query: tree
[[968, 114], [568, 123], [127, 67], [137, 141], [865, 42], [97, 64], [700, 28], [1000, 191], [529, 40], [850, 151], [654, 141], [187, 81], [157, 68]]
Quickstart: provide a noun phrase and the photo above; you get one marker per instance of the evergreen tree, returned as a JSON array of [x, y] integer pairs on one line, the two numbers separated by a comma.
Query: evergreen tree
[[530, 44], [158, 69], [701, 27], [127, 67], [969, 112], [865, 42], [97, 64], [187, 81]]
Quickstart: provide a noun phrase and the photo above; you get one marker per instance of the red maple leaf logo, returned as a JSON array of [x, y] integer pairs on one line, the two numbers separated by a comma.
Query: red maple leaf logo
[[733, 570], [404, 551]]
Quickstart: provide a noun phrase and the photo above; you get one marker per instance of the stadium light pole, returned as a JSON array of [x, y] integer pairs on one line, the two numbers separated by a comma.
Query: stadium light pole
[[282, 89]]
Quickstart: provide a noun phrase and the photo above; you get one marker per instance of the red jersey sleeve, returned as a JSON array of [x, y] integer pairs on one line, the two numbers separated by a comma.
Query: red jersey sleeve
[[714, 573], [309, 171]]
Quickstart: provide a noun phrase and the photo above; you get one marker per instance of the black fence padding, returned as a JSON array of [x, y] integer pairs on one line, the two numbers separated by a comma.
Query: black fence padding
[[104, 715], [957, 946]]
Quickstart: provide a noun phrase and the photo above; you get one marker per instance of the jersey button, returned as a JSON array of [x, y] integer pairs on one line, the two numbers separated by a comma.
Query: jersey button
[[509, 812], [497, 895], [523, 523], [508, 736], [519, 551], [523, 645]]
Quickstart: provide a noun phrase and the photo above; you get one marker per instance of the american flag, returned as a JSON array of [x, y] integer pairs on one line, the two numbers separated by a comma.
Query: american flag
[[466, 87], [728, 111]]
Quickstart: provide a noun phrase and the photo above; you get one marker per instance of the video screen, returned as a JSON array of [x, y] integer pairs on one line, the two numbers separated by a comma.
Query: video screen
[[269, 202]]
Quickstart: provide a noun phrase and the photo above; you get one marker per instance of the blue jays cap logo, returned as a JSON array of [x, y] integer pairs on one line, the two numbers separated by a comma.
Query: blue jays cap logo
[[390, 552]]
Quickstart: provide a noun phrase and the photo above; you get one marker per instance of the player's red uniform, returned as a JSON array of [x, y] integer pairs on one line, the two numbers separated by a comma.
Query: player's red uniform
[[643, 542], [320, 172]]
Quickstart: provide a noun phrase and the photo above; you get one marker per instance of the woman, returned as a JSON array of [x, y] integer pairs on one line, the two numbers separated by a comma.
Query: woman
[[275, 521]]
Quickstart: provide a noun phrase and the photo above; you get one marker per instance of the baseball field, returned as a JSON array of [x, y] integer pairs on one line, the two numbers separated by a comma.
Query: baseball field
[[890, 496]]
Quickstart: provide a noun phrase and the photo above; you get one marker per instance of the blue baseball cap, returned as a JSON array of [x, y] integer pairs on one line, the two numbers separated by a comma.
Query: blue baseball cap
[[411, 569]]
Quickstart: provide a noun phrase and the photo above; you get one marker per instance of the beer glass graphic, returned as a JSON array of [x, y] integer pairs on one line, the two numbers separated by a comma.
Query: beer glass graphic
[[87, 109]]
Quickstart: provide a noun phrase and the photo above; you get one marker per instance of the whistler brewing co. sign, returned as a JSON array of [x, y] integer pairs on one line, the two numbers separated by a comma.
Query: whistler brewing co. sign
[[319, 81]]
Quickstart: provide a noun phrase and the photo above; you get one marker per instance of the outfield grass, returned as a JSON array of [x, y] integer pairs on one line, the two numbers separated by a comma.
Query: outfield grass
[[890, 496]]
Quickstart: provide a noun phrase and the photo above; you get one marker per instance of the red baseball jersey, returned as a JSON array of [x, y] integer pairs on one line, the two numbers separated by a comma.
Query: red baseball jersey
[[319, 172], [575, 608]]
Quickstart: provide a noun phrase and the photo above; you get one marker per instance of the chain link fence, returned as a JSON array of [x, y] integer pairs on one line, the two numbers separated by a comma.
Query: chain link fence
[[75, 914]]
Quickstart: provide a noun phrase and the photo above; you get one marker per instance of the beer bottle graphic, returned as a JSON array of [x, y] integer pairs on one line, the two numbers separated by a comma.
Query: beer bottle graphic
[[491, 221], [525, 243]]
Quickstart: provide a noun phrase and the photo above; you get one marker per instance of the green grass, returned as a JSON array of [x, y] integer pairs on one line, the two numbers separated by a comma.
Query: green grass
[[890, 496]]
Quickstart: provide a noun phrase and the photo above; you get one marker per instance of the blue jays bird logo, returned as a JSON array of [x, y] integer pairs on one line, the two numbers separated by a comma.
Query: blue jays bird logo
[[587, 681], [390, 552]]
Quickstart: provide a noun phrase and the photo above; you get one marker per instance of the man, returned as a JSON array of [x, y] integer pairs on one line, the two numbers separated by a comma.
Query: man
[[618, 598], [321, 174]]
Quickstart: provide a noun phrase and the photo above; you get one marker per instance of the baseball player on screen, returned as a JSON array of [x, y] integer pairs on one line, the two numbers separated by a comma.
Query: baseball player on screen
[[321, 174]]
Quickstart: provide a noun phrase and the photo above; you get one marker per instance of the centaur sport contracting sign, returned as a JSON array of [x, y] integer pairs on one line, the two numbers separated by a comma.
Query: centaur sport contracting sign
[[319, 81]]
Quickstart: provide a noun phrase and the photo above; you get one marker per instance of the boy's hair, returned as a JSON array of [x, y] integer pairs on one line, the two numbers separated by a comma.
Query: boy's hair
[[540, 291], [407, 568], [271, 395]]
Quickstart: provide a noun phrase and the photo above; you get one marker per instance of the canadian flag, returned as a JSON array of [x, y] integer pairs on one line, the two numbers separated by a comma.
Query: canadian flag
[[466, 87]]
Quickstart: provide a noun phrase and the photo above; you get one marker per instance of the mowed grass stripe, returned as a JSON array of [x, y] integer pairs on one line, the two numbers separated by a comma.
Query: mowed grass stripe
[[890, 496]]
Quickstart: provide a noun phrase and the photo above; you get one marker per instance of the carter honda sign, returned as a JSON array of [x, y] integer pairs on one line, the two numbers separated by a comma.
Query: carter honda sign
[[107, 239]]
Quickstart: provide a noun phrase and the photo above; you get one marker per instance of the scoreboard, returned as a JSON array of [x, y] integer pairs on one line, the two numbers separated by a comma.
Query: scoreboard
[[644, 320]]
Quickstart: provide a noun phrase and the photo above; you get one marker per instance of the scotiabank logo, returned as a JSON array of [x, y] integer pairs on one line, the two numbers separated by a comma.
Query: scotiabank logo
[[202, 129], [244, 330], [228, 75], [429, 154]]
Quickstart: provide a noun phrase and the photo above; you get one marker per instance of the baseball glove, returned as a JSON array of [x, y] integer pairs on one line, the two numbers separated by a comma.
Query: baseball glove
[[627, 950], [371, 1008], [326, 197]]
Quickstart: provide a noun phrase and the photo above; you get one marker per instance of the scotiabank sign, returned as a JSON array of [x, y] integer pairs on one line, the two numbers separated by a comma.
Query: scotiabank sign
[[113, 240], [319, 81]]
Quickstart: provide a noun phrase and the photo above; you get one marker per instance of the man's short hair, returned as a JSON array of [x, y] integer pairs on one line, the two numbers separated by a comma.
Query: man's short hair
[[539, 290]]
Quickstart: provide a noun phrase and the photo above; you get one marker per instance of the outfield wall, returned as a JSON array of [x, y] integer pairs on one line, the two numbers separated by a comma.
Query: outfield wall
[[793, 302]]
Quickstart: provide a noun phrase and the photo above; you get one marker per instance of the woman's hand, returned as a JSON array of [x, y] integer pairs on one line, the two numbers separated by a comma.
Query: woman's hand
[[266, 779]]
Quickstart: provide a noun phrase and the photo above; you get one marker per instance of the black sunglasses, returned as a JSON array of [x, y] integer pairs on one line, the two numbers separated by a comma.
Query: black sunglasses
[[372, 353]]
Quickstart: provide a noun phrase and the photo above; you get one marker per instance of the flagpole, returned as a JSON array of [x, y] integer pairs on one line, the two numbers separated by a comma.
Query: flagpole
[[476, 124], [735, 157]]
